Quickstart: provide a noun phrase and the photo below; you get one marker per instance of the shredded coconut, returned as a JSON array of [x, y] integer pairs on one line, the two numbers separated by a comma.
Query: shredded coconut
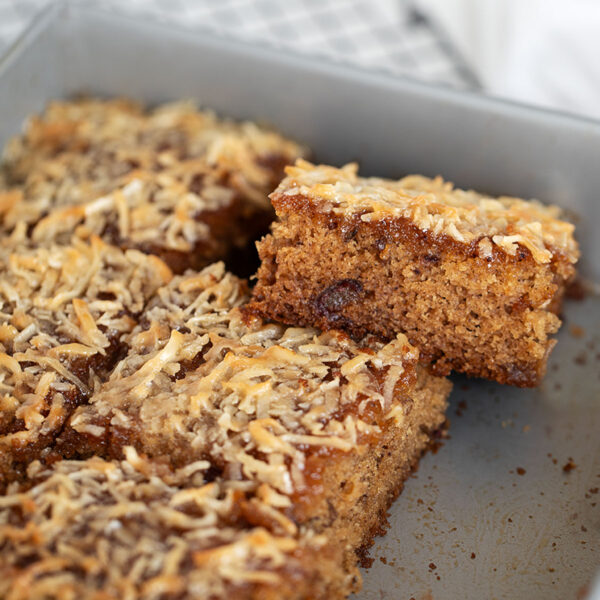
[[200, 381], [134, 529], [435, 205], [63, 313], [144, 179]]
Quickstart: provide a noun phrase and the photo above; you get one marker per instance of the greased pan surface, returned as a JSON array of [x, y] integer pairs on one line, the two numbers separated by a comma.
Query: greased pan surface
[[493, 514]]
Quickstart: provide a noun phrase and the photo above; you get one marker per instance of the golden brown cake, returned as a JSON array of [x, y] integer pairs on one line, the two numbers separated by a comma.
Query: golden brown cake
[[475, 282], [155, 441], [64, 311], [173, 181], [270, 456]]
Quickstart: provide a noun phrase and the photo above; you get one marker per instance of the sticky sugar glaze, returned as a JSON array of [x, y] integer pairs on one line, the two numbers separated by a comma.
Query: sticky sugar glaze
[[436, 207]]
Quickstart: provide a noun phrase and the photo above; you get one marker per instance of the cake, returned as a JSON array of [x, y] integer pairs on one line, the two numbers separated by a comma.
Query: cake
[[475, 282], [64, 312], [134, 529], [223, 457], [172, 181], [157, 439]]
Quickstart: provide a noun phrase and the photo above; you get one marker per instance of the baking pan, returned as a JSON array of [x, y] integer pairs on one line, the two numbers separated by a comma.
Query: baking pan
[[509, 506]]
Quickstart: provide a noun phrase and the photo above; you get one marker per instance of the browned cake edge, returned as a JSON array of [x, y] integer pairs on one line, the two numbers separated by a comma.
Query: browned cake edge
[[358, 489], [489, 316]]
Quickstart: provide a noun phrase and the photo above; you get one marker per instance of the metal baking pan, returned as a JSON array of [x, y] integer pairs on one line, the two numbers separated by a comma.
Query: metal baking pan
[[493, 514]]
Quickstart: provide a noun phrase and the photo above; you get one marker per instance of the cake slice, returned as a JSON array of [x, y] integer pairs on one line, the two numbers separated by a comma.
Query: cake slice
[[319, 431], [172, 181], [475, 282], [63, 313], [135, 529]]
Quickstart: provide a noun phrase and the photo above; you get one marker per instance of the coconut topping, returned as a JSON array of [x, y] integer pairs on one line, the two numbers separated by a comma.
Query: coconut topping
[[144, 179], [135, 529], [435, 206], [63, 312], [254, 398], [215, 420]]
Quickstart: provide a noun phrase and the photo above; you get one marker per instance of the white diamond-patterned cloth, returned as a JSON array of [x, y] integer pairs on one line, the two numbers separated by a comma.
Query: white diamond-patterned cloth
[[378, 35]]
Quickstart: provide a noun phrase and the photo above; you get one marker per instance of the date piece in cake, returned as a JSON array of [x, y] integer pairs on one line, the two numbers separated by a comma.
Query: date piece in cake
[[173, 181], [475, 282], [63, 313], [319, 430]]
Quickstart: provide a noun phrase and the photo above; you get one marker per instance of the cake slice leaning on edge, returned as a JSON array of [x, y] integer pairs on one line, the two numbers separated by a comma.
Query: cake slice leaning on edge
[[475, 282], [310, 435]]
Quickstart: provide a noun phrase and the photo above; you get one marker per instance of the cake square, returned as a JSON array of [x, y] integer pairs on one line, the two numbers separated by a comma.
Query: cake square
[[173, 181], [63, 313], [475, 282]]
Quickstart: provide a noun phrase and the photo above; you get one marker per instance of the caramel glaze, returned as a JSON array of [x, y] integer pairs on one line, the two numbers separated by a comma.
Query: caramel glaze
[[48, 446], [401, 229]]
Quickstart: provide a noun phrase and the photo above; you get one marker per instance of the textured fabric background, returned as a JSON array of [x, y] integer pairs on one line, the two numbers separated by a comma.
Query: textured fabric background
[[384, 35]]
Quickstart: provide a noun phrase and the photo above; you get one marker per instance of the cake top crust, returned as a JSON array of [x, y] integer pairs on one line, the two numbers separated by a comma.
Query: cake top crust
[[434, 206], [140, 177], [63, 312], [136, 529]]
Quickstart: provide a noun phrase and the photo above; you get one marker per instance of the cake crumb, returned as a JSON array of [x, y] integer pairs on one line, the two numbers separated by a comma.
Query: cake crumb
[[576, 331], [569, 466], [521, 471], [462, 406]]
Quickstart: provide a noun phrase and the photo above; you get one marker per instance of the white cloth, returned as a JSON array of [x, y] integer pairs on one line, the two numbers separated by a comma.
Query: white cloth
[[544, 52], [380, 35]]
